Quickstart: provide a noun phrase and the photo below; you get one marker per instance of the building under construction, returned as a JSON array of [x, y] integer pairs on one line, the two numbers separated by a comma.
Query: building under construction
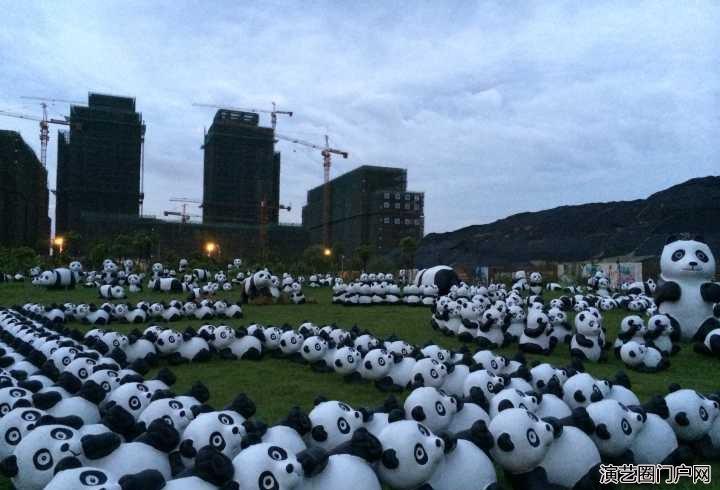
[[99, 162], [23, 195], [241, 170], [368, 206]]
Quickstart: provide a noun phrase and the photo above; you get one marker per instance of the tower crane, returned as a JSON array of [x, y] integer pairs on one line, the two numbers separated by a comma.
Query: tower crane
[[273, 113], [44, 128], [184, 215], [326, 152]]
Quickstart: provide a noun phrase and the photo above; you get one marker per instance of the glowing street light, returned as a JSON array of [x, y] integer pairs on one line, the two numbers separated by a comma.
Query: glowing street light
[[59, 242], [210, 248], [327, 252]]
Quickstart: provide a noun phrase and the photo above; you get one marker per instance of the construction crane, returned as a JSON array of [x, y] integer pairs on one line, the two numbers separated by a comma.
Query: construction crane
[[273, 113], [326, 152], [44, 128], [265, 208], [184, 215]]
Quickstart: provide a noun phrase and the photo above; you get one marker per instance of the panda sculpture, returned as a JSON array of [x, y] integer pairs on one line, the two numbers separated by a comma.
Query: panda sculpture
[[211, 470], [71, 475], [61, 278], [642, 357], [264, 466], [260, 284], [333, 423], [587, 343], [15, 425], [688, 294], [165, 284], [442, 276], [431, 407], [536, 337]]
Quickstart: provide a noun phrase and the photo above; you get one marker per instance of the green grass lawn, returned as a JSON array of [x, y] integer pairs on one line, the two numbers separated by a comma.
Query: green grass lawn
[[277, 384]]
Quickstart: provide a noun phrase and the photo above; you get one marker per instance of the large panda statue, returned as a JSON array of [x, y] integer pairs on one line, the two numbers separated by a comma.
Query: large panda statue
[[442, 276], [688, 294]]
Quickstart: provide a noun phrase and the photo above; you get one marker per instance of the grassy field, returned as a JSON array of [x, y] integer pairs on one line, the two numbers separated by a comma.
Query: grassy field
[[277, 384]]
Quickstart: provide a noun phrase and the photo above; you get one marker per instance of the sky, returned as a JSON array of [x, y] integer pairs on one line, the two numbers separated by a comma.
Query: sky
[[494, 108]]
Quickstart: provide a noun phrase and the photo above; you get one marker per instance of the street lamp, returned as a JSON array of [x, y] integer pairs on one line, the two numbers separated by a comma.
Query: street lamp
[[327, 252], [210, 248], [59, 241]]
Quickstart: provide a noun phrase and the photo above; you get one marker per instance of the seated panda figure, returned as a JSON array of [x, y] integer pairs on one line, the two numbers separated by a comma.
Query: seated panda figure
[[149, 451], [411, 454], [587, 344], [71, 474], [633, 328], [616, 427], [642, 357], [244, 346], [428, 372], [296, 295], [662, 335], [710, 345], [221, 430], [350, 460], [346, 362], [692, 416], [516, 326], [36, 457], [481, 386], [561, 329], [536, 337], [543, 454]]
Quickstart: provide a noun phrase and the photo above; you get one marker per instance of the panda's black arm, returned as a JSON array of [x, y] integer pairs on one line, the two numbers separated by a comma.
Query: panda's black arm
[[583, 341], [710, 292], [668, 291]]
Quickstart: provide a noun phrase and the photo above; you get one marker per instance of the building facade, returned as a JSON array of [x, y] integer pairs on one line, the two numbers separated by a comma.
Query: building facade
[[23, 195], [241, 170], [99, 162], [368, 206]]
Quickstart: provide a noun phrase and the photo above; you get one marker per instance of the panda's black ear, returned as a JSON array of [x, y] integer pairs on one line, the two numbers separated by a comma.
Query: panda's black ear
[[505, 443], [96, 446], [389, 459], [395, 415], [418, 413], [670, 239], [72, 421], [9, 467], [318, 400], [243, 405], [504, 405], [145, 480], [674, 387], [699, 238], [69, 463]]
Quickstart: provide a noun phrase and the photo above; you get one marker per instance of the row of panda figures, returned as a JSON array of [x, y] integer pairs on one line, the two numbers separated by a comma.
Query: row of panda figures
[[74, 416]]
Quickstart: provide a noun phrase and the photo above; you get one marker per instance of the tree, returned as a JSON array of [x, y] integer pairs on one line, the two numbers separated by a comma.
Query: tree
[[408, 248], [363, 254]]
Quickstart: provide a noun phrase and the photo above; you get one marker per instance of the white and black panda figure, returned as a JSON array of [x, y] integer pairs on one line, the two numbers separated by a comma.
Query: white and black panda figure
[[656, 442], [481, 386], [561, 331], [642, 357], [688, 292], [35, 459], [166, 407], [428, 372], [221, 430], [260, 284], [632, 327], [536, 337], [141, 347], [616, 427], [211, 470], [431, 407], [244, 346], [411, 454], [586, 344], [538, 454], [14, 396], [290, 432], [333, 423], [71, 475], [442, 276], [137, 314], [123, 407], [15, 425], [350, 461], [662, 335], [193, 348], [165, 285], [296, 295], [107, 291], [580, 390], [264, 466], [83, 404], [691, 416], [536, 283], [61, 278]]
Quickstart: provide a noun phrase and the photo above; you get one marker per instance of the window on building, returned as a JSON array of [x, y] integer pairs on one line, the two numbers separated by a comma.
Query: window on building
[[417, 222], [407, 197], [397, 205], [387, 195], [397, 196], [386, 220], [417, 197], [407, 221], [407, 206], [386, 205], [397, 221], [417, 207]]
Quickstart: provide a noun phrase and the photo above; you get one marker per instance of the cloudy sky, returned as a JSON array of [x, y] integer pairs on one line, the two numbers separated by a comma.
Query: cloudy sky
[[493, 107]]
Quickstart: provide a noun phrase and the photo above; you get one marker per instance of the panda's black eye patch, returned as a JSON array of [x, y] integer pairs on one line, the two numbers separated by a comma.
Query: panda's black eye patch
[[13, 436], [420, 454], [43, 460], [134, 403], [532, 437], [277, 453], [225, 419], [625, 426], [92, 478], [217, 441], [703, 414], [343, 425], [701, 255], [677, 255], [61, 434], [267, 481], [30, 416]]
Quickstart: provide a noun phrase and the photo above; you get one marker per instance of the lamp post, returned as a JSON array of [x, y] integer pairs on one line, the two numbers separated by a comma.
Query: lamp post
[[59, 242], [211, 248]]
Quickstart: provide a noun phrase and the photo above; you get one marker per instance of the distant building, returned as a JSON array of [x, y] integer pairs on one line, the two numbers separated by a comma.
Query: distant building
[[368, 206], [99, 161], [241, 170], [23, 195]]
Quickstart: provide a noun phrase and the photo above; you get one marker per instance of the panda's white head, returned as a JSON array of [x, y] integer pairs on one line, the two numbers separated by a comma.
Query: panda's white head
[[168, 341], [580, 390], [15, 425], [132, 397], [521, 440], [267, 467], [432, 407], [687, 259], [691, 414], [659, 324], [262, 278], [376, 364], [290, 342], [173, 412], [333, 423], [224, 336], [222, 430], [157, 267], [615, 426], [84, 478], [429, 372], [13, 396], [346, 360], [47, 278], [632, 353], [75, 266], [512, 398], [587, 324], [35, 457], [314, 348], [482, 384], [411, 454]]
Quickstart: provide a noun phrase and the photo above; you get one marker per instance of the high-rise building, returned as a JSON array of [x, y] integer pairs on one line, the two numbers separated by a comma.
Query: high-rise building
[[23, 196], [99, 162], [242, 170], [368, 206]]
